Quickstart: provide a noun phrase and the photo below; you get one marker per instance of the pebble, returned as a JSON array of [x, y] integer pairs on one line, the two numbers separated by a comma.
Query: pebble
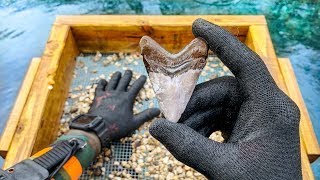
[[94, 71], [138, 169], [62, 120], [97, 171], [97, 57], [81, 98], [80, 64], [102, 76], [111, 176], [73, 110], [214, 65]]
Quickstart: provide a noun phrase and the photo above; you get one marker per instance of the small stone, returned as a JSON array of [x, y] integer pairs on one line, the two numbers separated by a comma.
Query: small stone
[[149, 159], [214, 65], [121, 55], [89, 172], [107, 153], [81, 98], [97, 57], [94, 71], [97, 171], [80, 64], [165, 160], [140, 161], [197, 174], [210, 58], [203, 73], [189, 174], [102, 76], [62, 120], [99, 164], [73, 110], [186, 167], [138, 169]]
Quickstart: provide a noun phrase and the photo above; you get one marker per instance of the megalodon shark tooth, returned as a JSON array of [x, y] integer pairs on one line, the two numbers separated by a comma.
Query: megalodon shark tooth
[[173, 76]]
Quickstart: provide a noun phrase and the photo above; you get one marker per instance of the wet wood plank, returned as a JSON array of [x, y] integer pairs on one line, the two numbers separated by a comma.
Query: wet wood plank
[[108, 33], [17, 109], [38, 124]]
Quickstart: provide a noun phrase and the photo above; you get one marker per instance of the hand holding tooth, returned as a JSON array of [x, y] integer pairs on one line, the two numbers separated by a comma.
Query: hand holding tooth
[[173, 76], [259, 122]]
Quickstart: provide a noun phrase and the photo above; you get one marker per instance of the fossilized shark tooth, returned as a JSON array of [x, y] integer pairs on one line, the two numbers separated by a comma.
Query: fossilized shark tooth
[[173, 76]]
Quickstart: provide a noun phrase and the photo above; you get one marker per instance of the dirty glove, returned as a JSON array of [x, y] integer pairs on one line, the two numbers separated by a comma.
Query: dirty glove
[[260, 123], [113, 101]]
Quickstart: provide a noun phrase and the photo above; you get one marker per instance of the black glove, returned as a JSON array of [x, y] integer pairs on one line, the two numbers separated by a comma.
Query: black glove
[[260, 123], [114, 102]]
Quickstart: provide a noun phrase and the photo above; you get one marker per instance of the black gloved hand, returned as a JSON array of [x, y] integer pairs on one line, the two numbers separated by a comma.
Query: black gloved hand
[[260, 123], [114, 102]]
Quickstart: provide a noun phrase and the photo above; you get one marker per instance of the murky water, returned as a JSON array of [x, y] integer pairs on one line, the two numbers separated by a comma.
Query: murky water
[[294, 26]]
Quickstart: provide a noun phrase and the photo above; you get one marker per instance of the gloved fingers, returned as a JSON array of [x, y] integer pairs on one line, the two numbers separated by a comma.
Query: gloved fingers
[[114, 81], [201, 119], [242, 61], [137, 86], [146, 115], [216, 93], [101, 85], [124, 81], [190, 147]]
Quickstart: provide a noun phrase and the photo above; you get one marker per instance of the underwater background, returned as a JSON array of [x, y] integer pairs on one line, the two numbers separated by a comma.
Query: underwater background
[[294, 26]]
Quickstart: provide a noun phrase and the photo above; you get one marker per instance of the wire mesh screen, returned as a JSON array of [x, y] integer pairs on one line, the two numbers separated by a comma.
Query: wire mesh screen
[[89, 69]]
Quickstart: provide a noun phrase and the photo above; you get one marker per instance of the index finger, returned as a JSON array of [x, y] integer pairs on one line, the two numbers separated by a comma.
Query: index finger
[[245, 64]]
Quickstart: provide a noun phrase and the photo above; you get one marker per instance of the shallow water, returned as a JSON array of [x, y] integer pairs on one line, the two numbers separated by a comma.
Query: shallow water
[[294, 26]]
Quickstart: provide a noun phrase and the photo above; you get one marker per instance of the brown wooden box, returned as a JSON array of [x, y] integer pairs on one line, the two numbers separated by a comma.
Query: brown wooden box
[[34, 121]]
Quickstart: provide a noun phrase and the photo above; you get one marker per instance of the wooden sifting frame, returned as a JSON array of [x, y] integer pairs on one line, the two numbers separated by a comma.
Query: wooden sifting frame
[[34, 121]]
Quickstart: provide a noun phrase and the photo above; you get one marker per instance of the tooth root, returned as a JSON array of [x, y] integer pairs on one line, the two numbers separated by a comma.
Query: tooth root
[[173, 76]]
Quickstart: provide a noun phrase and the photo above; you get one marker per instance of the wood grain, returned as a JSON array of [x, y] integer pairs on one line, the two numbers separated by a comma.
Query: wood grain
[[61, 76], [309, 139], [17, 109], [122, 33]]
